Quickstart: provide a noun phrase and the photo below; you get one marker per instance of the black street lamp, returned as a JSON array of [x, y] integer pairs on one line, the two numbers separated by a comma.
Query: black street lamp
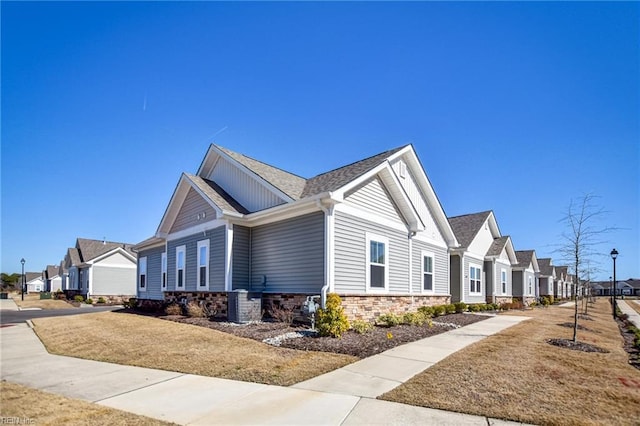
[[22, 280], [614, 255]]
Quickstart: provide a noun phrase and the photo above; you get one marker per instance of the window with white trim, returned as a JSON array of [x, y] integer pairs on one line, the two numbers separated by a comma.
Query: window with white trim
[[377, 262], [142, 273], [163, 271], [427, 272], [475, 280], [530, 286], [203, 264], [503, 280], [180, 266]]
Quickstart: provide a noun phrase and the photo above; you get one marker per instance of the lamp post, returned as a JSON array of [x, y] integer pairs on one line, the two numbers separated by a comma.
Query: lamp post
[[22, 278], [614, 255], [611, 290]]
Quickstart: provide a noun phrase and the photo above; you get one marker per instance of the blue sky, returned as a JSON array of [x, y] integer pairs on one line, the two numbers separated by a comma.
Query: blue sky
[[514, 107]]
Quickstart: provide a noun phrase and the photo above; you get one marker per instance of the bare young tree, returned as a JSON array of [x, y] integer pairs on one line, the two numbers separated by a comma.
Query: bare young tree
[[584, 231]]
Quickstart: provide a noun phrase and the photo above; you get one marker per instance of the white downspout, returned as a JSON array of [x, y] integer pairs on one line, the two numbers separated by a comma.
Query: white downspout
[[328, 251]]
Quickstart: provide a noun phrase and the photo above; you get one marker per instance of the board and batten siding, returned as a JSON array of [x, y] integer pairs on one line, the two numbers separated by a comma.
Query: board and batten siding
[[113, 280], [440, 267], [350, 255], [217, 240], [373, 197], [194, 210], [290, 254], [241, 257], [417, 198], [154, 274], [468, 298], [245, 189]]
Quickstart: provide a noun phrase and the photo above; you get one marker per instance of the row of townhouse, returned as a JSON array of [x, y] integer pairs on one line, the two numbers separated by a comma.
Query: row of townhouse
[[92, 268], [373, 232]]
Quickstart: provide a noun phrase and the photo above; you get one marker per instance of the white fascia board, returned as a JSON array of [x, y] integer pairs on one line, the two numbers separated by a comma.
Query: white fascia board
[[432, 199], [173, 208], [111, 252], [288, 210], [268, 186], [511, 252], [148, 244], [205, 161], [203, 227], [195, 187], [400, 197], [421, 236], [493, 226], [474, 256]]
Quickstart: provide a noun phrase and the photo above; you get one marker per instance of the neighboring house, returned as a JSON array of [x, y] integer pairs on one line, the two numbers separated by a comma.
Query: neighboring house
[[524, 276], [546, 277], [34, 282], [373, 231], [634, 283], [481, 265], [52, 278], [561, 282], [64, 276], [630, 287], [101, 268]]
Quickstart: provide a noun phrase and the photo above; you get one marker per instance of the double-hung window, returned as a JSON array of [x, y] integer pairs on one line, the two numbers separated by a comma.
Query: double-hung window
[[377, 262], [203, 264], [427, 272], [180, 266], [163, 271], [475, 280], [530, 286], [142, 265], [503, 280]]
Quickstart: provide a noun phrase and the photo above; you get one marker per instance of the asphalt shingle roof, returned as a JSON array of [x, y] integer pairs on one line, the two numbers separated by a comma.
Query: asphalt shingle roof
[[545, 266], [51, 271], [90, 249], [29, 276], [497, 246], [466, 227], [216, 194], [525, 257]]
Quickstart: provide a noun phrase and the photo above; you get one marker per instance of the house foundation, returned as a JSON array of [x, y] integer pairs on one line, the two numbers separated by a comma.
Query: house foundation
[[368, 308]]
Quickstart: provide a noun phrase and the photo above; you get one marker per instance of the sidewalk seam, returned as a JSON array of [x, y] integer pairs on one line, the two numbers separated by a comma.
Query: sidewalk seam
[[97, 401]]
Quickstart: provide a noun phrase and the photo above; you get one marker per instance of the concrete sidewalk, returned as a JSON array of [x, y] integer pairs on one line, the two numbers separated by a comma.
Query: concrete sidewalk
[[190, 399], [634, 317], [8, 305]]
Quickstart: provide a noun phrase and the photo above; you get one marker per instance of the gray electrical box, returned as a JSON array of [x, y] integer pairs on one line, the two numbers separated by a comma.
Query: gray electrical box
[[244, 306]]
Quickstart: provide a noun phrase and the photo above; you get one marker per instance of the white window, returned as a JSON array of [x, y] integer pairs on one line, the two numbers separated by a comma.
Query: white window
[[180, 266], [503, 280], [163, 271], [377, 273], [475, 280], [427, 272], [142, 264], [203, 264], [530, 286]]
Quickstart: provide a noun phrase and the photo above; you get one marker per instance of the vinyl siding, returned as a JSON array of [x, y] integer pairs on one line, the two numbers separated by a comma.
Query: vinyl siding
[[455, 279], [241, 258], [440, 267], [350, 255], [109, 280], [216, 260], [154, 274], [290, 254], [245, 189], [193, 206], [490, 279], [468, 298], [371, 196]]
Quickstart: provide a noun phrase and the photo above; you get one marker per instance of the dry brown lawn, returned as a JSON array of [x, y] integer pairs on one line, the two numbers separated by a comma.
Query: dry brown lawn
[[142, 341], [22, 405], [516, 375], [33, 301], [634, 304]]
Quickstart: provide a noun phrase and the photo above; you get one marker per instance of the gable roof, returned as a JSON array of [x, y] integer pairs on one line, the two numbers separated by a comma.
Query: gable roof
[[467, 226], [562, 270], [546, 266], [51, 271], [526, 258], [91, 249], [30, 276], [216, 194]]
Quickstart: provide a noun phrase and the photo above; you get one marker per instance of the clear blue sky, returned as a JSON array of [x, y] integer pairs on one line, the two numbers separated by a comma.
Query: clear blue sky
[[514, 107]]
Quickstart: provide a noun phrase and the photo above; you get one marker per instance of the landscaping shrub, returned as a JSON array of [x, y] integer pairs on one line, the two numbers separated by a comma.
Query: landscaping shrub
[[282, 313], [132, 303], [194, 310], [438, 310], [450, 309], [460, 307], [78, 298], [415, 318], [332, 320], [173, 309], [495, 307], [101, 300], [474, 308], [59, 295], [361, 327], [505, 306], [427, 311], [544, 301], [389, 320], [89, 301]]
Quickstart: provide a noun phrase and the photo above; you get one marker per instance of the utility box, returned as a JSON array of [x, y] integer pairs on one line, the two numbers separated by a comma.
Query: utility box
[[244, 306]]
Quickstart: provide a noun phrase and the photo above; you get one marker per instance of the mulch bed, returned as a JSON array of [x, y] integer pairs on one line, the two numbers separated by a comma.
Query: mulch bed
[[351, 343], [576, 346]]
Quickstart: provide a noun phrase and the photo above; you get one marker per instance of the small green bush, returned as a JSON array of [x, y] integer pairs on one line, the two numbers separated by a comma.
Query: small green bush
[[450, 308], [460, 307], [101, 300], [415, 318], [544, 301], [361, 327], [474, 308], [132, 303], [494, 306], [389, 320], [332, 320], [427, 311], [78, 298], [438, 310], [89, 301], [173, 309]]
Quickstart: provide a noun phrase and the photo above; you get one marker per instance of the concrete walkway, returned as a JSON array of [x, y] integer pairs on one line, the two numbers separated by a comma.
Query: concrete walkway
[[634, 317], [8, 305], [338, 398]]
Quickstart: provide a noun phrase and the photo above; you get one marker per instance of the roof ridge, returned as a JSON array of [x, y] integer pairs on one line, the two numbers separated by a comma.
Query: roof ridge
[[226, 150], [388, 152], [471, 214]]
